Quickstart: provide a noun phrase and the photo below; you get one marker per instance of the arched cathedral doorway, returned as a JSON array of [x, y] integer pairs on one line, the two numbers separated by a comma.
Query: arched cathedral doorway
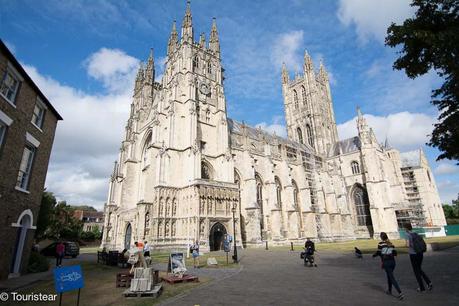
[[216, 236], [127, 237]]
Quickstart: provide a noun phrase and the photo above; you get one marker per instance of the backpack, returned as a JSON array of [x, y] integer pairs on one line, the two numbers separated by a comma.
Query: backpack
[[419, 245]]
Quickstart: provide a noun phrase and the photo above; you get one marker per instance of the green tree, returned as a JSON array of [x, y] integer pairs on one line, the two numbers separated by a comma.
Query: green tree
[[84, 207], [455, 205], [449, 211], [64, 224], [430, 40], [45, 216]]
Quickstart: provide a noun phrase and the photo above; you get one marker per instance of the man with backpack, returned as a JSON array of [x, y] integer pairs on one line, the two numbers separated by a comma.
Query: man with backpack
[[416, 248]]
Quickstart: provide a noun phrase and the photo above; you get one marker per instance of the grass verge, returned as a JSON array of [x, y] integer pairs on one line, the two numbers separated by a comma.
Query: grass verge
[[368, 246]]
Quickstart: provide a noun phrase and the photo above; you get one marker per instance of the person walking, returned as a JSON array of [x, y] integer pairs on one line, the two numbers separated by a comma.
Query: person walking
[[387, 252], [60, 252], [309, 248], [146, 249], [195, 253], [416, 248]]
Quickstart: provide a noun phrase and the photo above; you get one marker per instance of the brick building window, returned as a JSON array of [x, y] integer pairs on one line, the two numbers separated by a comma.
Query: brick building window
[[38, 114], [9, 86], [26, 167]]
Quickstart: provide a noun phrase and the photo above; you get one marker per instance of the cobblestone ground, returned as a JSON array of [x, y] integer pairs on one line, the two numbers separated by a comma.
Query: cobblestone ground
[[279, 278]]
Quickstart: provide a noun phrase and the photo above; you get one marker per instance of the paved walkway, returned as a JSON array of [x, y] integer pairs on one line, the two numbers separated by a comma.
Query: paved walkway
[[279, 278]]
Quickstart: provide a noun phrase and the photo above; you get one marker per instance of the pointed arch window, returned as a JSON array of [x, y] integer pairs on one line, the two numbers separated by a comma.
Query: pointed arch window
[[310, 136], [146, 231], [209, 68], [296, 203], [278, 192], [303, 95], [295, 99], [259, 186], [195, 63], [300, 135], [206, 171], [362, 206], [145, 157], [355, 167]]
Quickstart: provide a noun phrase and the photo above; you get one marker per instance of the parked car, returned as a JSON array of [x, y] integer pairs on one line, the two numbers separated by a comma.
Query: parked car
[[71, 249]]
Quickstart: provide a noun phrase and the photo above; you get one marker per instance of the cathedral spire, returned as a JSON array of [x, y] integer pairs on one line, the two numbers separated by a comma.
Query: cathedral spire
[[173, 39], [150, 70], [187, 25], [202, 40], [323, 74], [214, 41], [363, 128], [139, 78], [285, 77], [308, 65]]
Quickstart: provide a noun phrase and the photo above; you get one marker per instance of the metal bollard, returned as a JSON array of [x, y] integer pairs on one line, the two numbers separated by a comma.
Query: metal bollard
[[291, 246], [266, 247]]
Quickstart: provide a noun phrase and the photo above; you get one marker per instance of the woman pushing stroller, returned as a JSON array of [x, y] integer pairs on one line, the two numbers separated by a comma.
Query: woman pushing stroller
[[309, 249]]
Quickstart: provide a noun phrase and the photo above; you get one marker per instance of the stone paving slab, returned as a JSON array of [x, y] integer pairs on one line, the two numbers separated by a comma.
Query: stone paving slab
[[280, 278]]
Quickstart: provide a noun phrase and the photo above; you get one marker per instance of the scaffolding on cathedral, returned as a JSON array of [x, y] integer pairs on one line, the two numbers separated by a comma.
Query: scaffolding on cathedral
[[310, 164]]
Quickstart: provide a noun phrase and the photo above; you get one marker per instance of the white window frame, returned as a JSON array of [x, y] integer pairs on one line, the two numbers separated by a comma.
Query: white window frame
[[5, 122], [11, 70], [32, 144], [39, 103]]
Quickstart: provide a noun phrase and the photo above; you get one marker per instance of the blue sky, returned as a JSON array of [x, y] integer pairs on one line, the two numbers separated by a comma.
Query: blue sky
[[84, 55]]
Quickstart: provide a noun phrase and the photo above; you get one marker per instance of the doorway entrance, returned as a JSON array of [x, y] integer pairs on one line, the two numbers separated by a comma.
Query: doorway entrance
[[24, 225], [127, 237], [216, 236]]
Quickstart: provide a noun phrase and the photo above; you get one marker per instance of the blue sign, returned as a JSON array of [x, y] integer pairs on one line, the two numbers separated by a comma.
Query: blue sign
[[68, 278]]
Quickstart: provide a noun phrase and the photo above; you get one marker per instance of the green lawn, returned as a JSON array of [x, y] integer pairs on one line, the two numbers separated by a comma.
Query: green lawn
[[368, 246], [100, 288]]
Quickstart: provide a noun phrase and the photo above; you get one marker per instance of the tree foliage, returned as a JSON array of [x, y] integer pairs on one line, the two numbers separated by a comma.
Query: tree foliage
[[84, 207], [430, 40], [48, 203], [452, 211], [64, 224]]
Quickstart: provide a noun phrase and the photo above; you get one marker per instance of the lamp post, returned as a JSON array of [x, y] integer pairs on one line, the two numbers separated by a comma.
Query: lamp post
[[234, 233]]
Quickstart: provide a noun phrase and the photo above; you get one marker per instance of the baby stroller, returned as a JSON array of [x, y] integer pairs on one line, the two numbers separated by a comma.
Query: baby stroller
[[308, 256]]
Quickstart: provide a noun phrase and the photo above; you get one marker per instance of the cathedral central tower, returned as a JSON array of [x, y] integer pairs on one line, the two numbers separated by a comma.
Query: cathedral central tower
[[309, 108]]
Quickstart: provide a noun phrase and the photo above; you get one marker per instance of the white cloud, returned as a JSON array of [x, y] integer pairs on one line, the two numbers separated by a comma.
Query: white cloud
[[404, 131], [275, 127], [371, 18], [113, 68], [446, 168], [88, 139], [448, 190], [287, 49]]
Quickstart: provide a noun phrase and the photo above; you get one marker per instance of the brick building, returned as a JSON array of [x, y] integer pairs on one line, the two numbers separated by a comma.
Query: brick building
[[27, 125]]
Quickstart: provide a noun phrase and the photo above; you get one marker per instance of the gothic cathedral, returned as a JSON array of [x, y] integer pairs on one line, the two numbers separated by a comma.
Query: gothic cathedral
[[186, 172]]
